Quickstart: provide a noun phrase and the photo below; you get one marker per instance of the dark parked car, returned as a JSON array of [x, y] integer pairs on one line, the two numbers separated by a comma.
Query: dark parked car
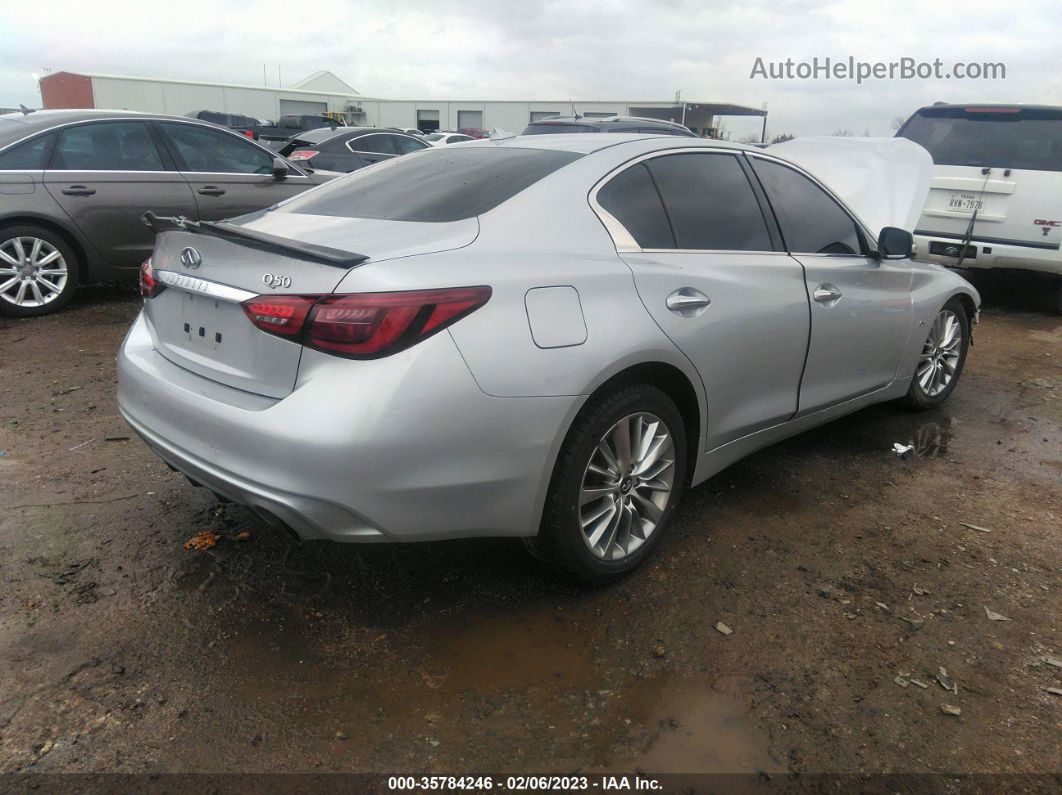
[[292, 124], [234, 121], [75, 183], [350, 148], [614, 124]]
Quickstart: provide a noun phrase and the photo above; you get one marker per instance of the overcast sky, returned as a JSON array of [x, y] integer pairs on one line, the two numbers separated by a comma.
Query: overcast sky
[[542, 49]]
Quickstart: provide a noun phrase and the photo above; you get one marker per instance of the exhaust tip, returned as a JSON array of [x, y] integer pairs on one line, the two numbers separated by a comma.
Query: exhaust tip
[[273, 520]]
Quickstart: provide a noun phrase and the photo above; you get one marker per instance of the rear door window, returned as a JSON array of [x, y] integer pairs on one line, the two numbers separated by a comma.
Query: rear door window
[[376, 144], [632, 199], [212, 151], [1022, 138], [27, 156], [710, 202], [445, 184], [812, 222], [107, 146]]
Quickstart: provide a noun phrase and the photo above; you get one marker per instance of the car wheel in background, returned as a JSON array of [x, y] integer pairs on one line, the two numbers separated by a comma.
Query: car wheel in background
[[942, 358], [616, 483], [38, 271]]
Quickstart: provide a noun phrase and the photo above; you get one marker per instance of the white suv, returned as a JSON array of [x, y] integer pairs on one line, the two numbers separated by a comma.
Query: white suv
[[996, 196]]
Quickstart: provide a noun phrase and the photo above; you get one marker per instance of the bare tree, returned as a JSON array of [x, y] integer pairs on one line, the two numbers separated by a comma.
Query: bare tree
[[897, 122], [843, 134], [783, 137]]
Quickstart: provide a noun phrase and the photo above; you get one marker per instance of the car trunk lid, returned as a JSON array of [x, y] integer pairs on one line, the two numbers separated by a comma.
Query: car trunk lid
[[197, 318]]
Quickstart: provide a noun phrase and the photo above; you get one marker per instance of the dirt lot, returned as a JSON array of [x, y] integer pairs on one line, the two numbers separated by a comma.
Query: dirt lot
[[838, 566]]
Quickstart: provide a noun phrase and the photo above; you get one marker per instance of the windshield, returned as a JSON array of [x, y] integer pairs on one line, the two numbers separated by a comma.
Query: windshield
[[1022, 138], [435, 185]]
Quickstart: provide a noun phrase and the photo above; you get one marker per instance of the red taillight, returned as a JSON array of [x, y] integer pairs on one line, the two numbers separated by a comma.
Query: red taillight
[[279, 314], [149, 285], [303, 154], [364, 325]]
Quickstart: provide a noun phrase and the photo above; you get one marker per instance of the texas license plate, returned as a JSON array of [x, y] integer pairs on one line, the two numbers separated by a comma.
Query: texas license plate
[[965, 202]]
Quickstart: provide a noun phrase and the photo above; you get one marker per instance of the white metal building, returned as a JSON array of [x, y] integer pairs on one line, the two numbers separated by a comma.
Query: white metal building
[[325, 92]]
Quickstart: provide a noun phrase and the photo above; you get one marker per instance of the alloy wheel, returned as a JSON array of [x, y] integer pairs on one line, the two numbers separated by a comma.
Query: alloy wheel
[[940, 354], [626, 486], [33, 272]]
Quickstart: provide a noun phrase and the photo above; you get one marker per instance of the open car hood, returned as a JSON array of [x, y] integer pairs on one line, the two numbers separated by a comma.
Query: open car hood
[[884, 181]]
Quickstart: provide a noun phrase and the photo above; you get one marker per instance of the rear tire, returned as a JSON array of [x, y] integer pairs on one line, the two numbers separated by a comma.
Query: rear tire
[[38, 271], [607, 508], [942, 358]]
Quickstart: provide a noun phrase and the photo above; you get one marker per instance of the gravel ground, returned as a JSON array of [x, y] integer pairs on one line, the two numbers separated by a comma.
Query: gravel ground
[[849, 577]]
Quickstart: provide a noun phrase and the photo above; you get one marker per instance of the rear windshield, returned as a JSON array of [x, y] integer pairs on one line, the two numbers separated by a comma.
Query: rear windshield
[[545, 129], [434, 185], [1023, 138], [320, 135]]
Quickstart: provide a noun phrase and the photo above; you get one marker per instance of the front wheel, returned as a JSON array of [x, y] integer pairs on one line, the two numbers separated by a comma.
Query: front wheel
[[38, 271], [942, 358], [615, 485]]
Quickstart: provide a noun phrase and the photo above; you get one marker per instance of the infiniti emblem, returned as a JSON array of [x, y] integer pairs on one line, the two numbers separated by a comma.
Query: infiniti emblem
[[191, 258]]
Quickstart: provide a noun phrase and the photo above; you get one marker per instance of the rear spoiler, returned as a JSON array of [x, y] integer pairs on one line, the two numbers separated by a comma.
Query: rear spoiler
[[260, 240]]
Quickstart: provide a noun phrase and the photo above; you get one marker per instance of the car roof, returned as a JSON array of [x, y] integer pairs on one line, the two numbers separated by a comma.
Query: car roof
[[610, 121], [30, 123], [990, 105], [585, 143]]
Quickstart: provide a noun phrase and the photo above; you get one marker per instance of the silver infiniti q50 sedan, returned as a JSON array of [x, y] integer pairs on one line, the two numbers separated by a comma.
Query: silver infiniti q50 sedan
[[546, 337]]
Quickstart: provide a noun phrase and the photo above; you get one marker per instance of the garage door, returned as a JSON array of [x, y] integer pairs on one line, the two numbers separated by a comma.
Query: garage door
[[469, 119], [301, 106], [427, 120]]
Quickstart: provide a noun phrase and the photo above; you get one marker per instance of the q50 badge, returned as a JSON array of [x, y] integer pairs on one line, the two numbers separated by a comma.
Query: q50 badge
[[276, 281]]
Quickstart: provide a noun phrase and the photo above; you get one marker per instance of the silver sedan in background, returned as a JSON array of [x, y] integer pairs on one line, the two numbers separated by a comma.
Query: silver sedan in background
[[545, 337]]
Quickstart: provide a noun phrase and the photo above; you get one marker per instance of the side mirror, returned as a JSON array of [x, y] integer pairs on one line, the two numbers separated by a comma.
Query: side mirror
[[895, 243], [280, 168]]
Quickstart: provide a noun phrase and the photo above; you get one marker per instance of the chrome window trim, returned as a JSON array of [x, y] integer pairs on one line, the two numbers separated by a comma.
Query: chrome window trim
[[172, 171], [300, 175], [362, 152], [621, 237], [708, 251], [197, 286]]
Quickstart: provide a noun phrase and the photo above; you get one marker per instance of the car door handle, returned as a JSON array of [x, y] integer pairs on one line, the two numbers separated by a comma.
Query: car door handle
[[212, 190], [78, 190], [688, 302], [825, 293]]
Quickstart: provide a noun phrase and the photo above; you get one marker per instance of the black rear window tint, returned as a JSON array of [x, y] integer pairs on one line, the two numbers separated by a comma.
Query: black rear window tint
[[434, 186], [1024, 138], [632, 199], [28, 155], [710, 202]]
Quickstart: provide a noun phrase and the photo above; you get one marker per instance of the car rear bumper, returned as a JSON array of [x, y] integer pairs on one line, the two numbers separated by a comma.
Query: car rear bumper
[[1034, 256], [404, 448]]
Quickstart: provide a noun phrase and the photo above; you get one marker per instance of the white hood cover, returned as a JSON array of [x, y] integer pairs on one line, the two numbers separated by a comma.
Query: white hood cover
[[884, 181]]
